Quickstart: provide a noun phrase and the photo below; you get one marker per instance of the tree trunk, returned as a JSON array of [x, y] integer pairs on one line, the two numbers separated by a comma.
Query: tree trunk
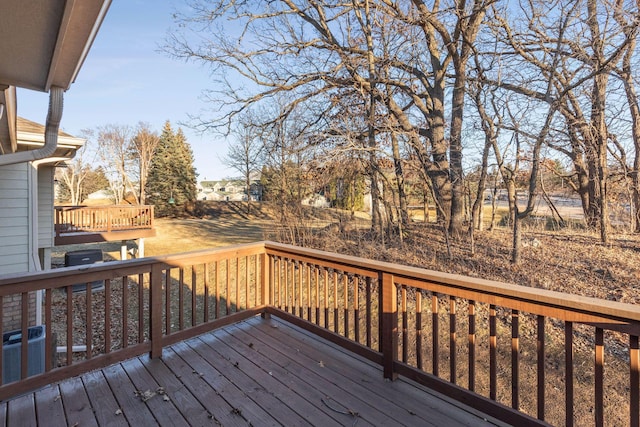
[[456, 224], [402, 195]]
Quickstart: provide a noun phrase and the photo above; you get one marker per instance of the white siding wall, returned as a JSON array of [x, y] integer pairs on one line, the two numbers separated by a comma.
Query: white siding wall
[[14, 218], [45, 206]]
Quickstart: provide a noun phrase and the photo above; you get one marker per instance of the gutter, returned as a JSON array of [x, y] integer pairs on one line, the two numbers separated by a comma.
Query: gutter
[[50, 134]]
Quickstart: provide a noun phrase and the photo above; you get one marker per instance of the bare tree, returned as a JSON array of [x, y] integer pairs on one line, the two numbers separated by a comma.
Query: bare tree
[[141, 150], [246, 154], [566, 58], [114, 142], [625, 72], [313, 50], [75, 171]]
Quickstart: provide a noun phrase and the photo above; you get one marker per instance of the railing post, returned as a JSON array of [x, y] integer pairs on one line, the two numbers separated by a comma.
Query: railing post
[[265, 272], [389, 326], [155, 310]]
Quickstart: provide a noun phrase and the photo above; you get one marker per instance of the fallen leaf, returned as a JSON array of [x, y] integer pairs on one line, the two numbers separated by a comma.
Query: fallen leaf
[[321, 363]]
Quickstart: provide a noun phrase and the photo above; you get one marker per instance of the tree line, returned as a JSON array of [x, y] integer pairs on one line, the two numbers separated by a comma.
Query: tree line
[[450, 86], [134, 164]]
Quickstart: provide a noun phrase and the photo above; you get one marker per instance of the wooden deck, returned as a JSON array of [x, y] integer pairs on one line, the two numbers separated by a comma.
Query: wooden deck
[[257, 372], [90, 224]]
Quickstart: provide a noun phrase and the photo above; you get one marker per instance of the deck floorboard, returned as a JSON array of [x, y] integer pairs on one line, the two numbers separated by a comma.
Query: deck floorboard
[[256, 372], [49, 406]]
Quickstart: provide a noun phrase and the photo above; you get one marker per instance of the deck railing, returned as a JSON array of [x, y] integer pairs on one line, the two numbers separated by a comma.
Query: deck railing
[[102, 219], [520, 354]]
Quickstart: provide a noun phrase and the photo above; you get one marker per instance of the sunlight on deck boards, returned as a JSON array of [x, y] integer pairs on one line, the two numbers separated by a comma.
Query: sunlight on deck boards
[[257, 372]]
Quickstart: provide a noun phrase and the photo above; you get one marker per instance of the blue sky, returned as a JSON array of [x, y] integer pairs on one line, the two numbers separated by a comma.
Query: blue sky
[[125, 80]]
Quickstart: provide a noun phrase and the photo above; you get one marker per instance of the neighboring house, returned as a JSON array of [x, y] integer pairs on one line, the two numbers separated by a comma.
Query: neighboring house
[[42, 46], [230, 190]]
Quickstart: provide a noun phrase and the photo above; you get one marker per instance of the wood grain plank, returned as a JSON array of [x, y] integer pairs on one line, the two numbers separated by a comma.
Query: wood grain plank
[[76, 403], [304, 382], [264, 394], [136, 412], [398, 399], [21, 411], [163, 410], [239, 403], [105, 406], [181, 395], [49, 409]]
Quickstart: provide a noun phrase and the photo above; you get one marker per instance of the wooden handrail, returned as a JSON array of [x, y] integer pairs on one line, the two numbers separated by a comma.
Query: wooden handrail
[[482, 328], [96, 219]]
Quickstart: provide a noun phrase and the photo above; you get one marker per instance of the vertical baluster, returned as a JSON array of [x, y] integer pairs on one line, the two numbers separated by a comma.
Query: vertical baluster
[[167, 301], [472, 345], [405, 328], [237, 304], [515, 360], [107, 315], [540, 362], [345, 310], [435, 331], [568, 368], [206, 273], [308, 292], [634, 381], [256, 281], [295, 286], [246, 282], [419, 328], [389, 324], [493, 353], [286, 285], [317, 285], [194, 293], [599, 377], [140, 308], [367, 313], [356, 308], [89, 322], [452, 339], [69, 290], [48, 353], [326, 298], [181, 306], [125, 311], [216, 290], [24, 321], [300, 288], [335, 302], [227, 290], [275, 276]]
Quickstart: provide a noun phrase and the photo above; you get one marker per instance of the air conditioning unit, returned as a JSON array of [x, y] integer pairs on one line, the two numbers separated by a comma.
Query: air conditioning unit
[[12, 350], [83, 257]]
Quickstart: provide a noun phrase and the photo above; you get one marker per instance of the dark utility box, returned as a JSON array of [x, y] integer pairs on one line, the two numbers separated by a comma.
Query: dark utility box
[[84, 257]]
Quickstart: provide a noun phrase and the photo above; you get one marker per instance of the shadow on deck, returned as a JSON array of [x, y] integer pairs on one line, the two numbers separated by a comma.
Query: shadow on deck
[[255, 372]]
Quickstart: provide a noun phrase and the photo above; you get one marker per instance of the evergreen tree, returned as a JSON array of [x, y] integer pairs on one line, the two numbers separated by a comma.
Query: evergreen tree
[[172, 178]]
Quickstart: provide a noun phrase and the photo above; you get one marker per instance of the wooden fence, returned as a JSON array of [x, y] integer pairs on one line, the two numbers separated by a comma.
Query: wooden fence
[[75, 224], [520, 354]]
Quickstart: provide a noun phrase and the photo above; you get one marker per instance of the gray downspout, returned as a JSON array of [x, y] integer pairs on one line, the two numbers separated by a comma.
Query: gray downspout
[[50, 133]]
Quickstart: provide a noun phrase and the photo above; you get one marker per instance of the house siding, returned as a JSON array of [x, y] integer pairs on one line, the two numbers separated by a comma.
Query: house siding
[[45, 204], [14, 205]]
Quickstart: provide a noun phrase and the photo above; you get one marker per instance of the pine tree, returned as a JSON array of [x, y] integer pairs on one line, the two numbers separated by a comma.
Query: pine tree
[[172, 177]]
